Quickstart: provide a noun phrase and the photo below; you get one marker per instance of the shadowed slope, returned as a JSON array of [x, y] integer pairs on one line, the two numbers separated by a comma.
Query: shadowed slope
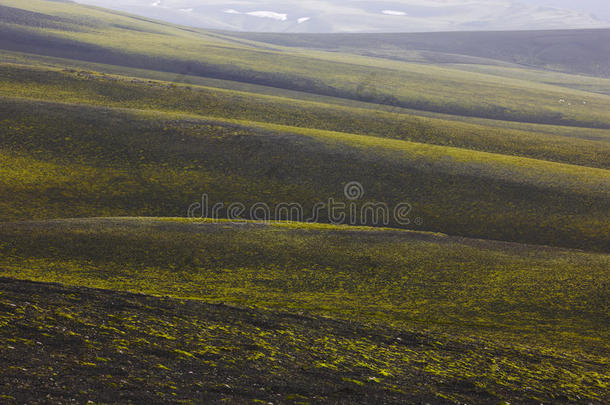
[[62, 160]]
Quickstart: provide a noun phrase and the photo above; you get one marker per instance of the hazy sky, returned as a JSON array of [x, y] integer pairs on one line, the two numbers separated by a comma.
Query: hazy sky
[[371, 16], [598, 8]]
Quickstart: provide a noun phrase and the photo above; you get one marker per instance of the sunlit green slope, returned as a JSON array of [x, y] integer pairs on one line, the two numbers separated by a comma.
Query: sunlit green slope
[[586, 147], [64, 160], [96, 35], [526, 294], [409, 312]]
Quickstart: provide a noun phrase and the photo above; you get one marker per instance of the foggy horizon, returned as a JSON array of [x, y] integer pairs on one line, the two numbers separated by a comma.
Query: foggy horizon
[[354, 16]]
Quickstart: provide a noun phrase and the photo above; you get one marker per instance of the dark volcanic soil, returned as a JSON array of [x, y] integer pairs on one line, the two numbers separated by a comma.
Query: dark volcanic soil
[[62, 344]]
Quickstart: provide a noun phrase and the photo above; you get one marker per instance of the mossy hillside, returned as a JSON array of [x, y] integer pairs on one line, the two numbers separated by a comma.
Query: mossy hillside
[[93, 88], [188, 51], [323, 313], [77, 344], [581, 82], [113, 162], [519, 294], [89, 69]]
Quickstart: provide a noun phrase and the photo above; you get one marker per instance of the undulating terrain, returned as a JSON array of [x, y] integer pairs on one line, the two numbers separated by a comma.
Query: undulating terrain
[[493, 289]]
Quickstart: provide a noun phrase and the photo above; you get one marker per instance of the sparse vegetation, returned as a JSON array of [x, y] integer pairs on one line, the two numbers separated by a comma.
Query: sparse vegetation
[[104, 115], [75, 161], [497, 317], [395, 83], [571, 51], [123, 348], [588, 148]]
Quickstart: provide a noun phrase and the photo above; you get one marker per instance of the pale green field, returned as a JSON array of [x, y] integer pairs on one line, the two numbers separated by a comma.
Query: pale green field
[[429, 88], [586, 83], [120, 91], [254, 89]]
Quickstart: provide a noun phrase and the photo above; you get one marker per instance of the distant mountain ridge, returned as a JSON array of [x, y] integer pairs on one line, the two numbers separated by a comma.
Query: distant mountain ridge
[[572, 51], [357, 16]]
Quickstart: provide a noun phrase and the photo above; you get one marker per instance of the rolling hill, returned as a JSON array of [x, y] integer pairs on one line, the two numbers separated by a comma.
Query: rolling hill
[[200, 53], [491, 286], [431, 317], [570, 51], [158, 160]]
